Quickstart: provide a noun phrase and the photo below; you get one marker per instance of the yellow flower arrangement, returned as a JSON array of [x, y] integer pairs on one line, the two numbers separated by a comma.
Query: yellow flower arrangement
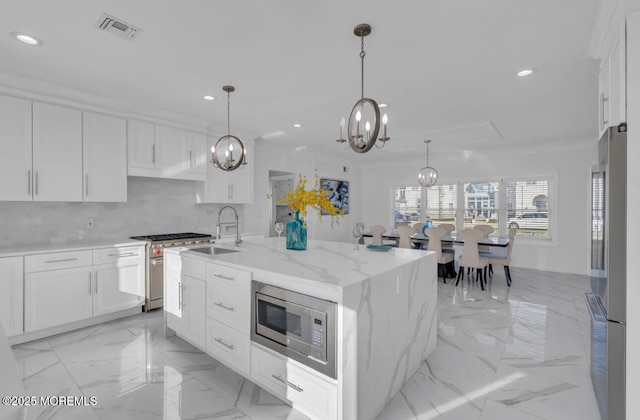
[[300, 198]]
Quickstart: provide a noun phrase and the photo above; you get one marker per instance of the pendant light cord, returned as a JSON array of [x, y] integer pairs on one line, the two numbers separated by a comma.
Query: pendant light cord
[[362, 54]]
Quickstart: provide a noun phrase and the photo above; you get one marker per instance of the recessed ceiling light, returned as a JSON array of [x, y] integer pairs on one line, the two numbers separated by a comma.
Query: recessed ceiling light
[[26, 39], [209, 98], [297, 125], [382, 105], [526, 72]]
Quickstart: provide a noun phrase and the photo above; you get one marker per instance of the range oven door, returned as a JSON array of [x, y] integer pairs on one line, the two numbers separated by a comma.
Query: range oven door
[[298, 326]]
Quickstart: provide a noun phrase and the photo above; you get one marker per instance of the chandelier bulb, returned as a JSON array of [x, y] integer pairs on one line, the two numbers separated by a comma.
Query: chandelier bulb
[[358, 116]]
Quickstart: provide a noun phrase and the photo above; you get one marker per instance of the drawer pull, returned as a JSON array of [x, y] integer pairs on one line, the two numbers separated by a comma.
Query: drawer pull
[[220, 276], [221, 305], [64, 260], [287, 383], [219, 340], [129, 254]]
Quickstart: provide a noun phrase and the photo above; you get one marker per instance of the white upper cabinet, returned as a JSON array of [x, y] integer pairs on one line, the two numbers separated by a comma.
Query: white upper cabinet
[[104, 149], [15, 149], [165, 152], [612, 100], [142, 145], [57, 153], [233, 187]]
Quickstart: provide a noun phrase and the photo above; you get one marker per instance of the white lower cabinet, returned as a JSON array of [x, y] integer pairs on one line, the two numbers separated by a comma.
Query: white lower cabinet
[[308, 392], [185, 299], [57, 297], [11, 295], [64, 287], [119, 280], [229, 346]]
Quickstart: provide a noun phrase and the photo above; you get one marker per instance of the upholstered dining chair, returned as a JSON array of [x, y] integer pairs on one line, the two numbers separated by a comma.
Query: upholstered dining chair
[[445, 260], [506, 260], [470, 257], [447, 247], [486, 230], [404, 234], [376, 234]]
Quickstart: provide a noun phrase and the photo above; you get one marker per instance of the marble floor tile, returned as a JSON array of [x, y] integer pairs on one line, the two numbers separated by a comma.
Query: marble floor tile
[[519, 352]]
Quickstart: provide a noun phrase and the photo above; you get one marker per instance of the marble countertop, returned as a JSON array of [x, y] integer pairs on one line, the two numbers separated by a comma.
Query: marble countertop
[[334, 264], [71, 246]]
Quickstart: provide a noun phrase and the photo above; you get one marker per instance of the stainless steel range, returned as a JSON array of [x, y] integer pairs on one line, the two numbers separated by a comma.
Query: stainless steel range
[[155, 259]]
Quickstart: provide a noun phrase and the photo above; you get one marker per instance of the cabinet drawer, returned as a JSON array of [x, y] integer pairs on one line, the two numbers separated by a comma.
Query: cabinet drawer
[[230, 277], [228, 306], [193, 267], [228, 345], [310, 393], [57, 260], [113, 254]]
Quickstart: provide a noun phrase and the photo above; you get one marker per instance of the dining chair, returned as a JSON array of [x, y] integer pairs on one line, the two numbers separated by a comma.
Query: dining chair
[[417, 228], [447, 247], [506, 260], [398, 224], [470, 257], [486, 230], [376, 233], [445, 260], [404, 234]]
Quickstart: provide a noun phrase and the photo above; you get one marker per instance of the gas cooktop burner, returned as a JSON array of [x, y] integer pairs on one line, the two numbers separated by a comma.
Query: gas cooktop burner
[[171, 236]]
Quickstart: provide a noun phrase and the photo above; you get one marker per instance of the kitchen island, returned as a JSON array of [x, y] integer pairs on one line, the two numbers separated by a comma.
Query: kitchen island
[[385, 324]]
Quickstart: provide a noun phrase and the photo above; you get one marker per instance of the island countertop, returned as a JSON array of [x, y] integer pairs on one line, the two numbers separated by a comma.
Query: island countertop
[[335, 264]]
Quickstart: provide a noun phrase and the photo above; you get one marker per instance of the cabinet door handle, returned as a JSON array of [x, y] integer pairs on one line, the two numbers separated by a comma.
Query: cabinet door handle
[[86, 185], [220, 276], [179, 295], [219, 340], [287, 383], [128, 254], [153, 154], [184, 287], [89, 283], [222, 305], [191, 162], [63, 260], [36, 182], [29, 182], [603, 100], [232, 191], [96, 279]]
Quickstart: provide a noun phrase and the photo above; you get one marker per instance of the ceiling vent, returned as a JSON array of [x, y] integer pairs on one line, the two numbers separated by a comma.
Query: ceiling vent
[[117, 27]]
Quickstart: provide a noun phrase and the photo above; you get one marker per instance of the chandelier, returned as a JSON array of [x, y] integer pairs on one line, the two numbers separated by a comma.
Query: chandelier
[[364, 121], [427, 177], [222, 154]]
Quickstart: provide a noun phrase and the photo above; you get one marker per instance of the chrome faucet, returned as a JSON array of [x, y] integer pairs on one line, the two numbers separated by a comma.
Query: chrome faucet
[[236, 224]]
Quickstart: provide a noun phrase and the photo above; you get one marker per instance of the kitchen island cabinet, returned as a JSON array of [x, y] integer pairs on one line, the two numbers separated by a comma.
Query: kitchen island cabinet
[[384, 329]]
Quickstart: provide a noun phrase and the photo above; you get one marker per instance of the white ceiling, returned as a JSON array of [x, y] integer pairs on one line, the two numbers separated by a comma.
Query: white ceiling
[[446, 68]]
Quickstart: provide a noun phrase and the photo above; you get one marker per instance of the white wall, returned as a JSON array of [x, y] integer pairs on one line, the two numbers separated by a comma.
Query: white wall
[[569, 250], [270, 158]]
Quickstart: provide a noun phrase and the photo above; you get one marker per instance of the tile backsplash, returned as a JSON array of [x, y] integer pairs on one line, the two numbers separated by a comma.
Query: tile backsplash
[[154, 206]]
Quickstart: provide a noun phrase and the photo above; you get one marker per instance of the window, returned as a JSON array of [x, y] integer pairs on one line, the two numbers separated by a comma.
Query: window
[[524, 204]]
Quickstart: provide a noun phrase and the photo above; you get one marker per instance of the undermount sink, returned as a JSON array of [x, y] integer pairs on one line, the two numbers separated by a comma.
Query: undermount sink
[[214, 250]]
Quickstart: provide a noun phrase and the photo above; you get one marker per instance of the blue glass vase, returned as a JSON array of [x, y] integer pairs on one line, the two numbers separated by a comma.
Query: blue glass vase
[[297, 233]]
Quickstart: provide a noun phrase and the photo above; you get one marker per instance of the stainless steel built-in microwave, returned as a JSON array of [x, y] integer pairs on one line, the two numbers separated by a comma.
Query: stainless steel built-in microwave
[[296, 325]]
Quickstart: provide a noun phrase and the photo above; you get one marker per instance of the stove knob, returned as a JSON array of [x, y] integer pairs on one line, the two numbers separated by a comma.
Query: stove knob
[[156, 252]]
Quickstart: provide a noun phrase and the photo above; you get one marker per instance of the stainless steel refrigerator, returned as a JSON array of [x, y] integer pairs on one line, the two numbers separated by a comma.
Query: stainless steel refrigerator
[[607, 300]]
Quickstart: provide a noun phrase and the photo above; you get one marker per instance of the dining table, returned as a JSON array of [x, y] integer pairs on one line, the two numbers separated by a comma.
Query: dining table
[[419, 238]]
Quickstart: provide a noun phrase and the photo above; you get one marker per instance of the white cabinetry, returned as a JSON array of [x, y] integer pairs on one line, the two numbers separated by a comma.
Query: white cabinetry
[[58, 289], [11, 298], [65, 287], [165, 152], [612, 105], [310, 393], [57, 153], [104, 140], [228, 316], [185, 297], [118, 275], [15, 149], [234, 187]]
